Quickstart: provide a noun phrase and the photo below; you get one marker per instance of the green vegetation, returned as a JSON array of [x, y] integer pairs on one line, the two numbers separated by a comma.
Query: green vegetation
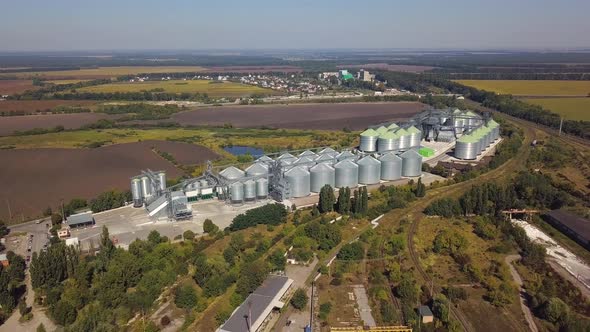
[[531, 87], [299, 299], [11, 284], [140, 111], [270, 214]]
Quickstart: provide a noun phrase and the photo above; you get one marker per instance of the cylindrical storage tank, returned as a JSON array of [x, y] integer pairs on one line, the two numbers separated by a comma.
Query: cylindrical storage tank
[[136, 192], [257, 169], [381, 130], [264, 159], [146, 187], [299, 181], [305, 162], [236, 192], [369, 140], [466, 147], [195, 186], [411, 163], [369, 170], [326, 158], [287, 156], [347, 174], [249, 190], [307, 153], [404, 138], [232, 173], [262, 188], [162, 179], [329, 151], [392, 127], [286, 163], [344, 155], [321, 175], [388, 142], [203, 183], [391, 167], [415, 136]]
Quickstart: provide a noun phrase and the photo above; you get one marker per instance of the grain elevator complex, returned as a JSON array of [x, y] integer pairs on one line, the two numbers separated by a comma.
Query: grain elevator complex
[[386, 152]]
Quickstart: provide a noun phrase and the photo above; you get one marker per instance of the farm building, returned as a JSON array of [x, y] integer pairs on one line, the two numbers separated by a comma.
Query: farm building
[[425, 314], [84, 219], [4, 260], [253, 312], [574, 226]]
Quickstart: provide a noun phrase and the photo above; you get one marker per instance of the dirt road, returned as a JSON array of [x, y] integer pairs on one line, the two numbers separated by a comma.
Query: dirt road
[[528, 315]]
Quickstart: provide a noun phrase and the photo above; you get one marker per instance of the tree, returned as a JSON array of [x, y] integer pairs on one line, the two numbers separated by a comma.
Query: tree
[[209, 227], [278, 260], [154, 237], [56, 219], [325, 309], [364, 201], [352, 251], [440, 308], [327, 199], [420, 189], [188, 235], [41, 328], [299, 299], [344, 200], [555, 310], [251, 276], [185, 296], [3, 229], [22, 307]]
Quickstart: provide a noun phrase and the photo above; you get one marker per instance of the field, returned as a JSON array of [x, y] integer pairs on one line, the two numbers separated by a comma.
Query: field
[[104, 72], [532, 87], [10, 124], [37, 178], [569, 108], [32, 106], [354, 116], [213, 89], [390, 67], [8, 87], [253, 69], [58, 82]]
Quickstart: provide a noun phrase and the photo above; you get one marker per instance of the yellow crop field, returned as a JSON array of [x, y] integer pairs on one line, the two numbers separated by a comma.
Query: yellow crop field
[[212, 88], [105, 72], [58, 82], [570, 108], [531, 87]]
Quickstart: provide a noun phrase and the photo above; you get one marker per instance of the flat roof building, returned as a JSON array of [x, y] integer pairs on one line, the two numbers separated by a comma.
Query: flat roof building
[[84, 219], [574, 226], [258, 305], [425, 314]]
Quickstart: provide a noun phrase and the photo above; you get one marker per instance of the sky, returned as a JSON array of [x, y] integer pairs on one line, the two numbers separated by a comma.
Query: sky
[[63, 25]]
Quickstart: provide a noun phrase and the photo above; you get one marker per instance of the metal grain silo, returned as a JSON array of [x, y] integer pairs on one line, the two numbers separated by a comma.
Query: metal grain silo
[[162, 180], [369, 140], [299, 181], [249, 190], [381, 130], [411, 163], [415, 136], [391, 167], [146, 187], [321, 175], [473, 120], [257, 169], [328, 151], [392, 126], [262, 188], [305, 162], [264, 159], [404, 138], [344, 155], [388, 142], [232, 173], [203, 183], [307, 153], [136, 192], [495, 129], [466, 147], [236, 192], [369, 170], [347, 174], [326, 158]]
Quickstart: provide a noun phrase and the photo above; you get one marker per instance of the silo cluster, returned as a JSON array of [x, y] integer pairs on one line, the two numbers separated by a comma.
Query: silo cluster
[[247, 185], [145, 189], [390, 138], [470, 145]]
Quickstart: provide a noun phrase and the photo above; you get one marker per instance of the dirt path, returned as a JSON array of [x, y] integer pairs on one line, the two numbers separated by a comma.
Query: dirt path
[[39, 316], [528, 315]]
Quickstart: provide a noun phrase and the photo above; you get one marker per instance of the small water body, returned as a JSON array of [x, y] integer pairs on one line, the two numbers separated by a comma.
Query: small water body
[[240, 150]]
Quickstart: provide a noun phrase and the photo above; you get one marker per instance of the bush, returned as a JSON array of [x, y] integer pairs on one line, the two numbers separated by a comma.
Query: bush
[[299, 299], [270, 214], [165, 321], [188, 235], [325, 309], [209, 227], [352, 251], [185, 297]]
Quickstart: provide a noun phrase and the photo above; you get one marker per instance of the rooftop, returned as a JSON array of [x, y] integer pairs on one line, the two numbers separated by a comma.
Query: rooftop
[[574, 222], [424, 311], [80, 218]]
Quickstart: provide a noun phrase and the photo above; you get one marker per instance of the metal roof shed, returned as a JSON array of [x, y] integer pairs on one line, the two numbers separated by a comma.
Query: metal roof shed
[[80, 220]]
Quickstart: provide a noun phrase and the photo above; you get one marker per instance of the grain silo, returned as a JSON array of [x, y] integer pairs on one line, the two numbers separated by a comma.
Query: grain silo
[[328, 150], [458, 122], [404, 138], [391, 167], [204, 183], [327, 158], [257, 169], [249, 190], [347, 174], [392, 126], [262, 188], [232, 173], [411, 163], [299, 181], [305, 162], [369, 140], [495, 129], [321, 175], [307, 153], [286, 156], [136, 192], [369, 170], [388, 141], [162, 180], [415, 136], [473, 120], [146, 188], [466, 147], [236, 192], [344, 155], [264, 159]]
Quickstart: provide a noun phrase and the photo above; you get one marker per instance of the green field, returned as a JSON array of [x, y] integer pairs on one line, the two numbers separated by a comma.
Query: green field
[[102, 72], [570, 108], [212, 88], [531, 87]]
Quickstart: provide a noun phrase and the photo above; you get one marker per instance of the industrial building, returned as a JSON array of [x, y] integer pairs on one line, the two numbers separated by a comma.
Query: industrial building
[[84, 219], [386, 152], [254, 311], [574, 226]]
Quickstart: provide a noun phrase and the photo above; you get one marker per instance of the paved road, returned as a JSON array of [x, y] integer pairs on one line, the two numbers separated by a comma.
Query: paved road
[[528, 315]]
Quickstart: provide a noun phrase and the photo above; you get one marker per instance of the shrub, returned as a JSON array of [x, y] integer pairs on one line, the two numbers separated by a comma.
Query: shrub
[[299, 299]]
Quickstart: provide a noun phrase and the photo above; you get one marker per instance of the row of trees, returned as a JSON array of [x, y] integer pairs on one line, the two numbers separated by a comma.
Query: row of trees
[[270, 214], [358, 205], [11, 287]]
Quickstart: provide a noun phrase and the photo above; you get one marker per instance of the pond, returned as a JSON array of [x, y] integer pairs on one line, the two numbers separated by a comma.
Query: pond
[[240, 150]]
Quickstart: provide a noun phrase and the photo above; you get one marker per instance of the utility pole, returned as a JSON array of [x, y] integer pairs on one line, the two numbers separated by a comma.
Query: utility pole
[[560, 125], [63, 214], [9, 211], [311, 304]]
